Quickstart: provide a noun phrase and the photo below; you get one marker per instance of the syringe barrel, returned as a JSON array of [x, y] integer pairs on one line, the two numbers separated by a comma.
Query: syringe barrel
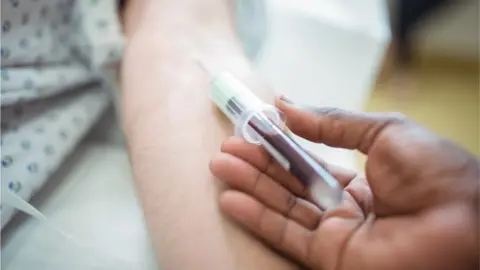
[[323, 187], [260, 123]]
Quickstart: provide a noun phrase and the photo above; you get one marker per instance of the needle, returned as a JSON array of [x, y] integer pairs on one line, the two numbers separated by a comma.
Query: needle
[[203, 66]]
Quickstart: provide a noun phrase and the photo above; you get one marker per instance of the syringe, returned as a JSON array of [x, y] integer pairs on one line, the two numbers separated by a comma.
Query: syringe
[[261, 123]]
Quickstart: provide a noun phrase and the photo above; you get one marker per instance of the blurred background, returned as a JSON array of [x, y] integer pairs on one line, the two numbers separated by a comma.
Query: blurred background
[[441, 85], [416, 57], [420, 58]]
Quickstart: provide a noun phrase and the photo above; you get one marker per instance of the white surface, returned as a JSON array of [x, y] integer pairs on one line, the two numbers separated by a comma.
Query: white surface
[[92, 198], [51, 129], [325, 53]]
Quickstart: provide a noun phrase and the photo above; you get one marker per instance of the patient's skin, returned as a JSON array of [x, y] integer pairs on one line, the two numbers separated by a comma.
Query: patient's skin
[[173, 131]]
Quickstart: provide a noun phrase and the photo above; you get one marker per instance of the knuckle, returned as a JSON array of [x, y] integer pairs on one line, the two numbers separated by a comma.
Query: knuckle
[[270, 167], [291, 202], [331, 112], [257, 181]]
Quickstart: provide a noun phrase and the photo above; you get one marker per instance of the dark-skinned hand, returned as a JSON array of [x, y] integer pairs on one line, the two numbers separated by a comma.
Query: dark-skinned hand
[[416, 207]]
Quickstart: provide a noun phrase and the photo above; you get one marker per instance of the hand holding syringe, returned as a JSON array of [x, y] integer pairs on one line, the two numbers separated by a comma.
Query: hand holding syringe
[[261, 123], [417, 207]]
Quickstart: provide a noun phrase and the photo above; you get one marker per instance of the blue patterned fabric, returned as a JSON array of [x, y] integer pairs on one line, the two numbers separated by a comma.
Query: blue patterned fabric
[[58, 71], [54, 57]]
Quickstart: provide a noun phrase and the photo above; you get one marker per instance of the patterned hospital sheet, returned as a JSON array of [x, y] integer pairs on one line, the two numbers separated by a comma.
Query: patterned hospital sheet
[[57, 58], [40, 135]]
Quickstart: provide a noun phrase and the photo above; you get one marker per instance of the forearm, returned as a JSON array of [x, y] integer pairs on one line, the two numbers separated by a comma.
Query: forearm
[[172, 131]]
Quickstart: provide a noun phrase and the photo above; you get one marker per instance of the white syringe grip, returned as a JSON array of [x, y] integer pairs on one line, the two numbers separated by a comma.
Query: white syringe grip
[[239, 104]]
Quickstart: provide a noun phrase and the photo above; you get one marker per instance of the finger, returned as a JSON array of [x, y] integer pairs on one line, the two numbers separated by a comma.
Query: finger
[[258, 157], [243, 176], [360, 191], [344, 176], [336, 127], [278, 231]]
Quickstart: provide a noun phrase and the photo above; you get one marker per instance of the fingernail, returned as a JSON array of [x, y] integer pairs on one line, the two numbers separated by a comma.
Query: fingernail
[[300, 106], [286, 99]]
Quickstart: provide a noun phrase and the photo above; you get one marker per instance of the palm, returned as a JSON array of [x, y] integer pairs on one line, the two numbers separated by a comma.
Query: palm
[[420, 218]]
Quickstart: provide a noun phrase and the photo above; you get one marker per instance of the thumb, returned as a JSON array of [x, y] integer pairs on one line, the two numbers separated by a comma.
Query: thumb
[[336, 127]]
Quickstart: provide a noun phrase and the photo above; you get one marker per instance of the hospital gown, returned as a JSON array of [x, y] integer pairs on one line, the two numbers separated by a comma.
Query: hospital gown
[[59, 62]]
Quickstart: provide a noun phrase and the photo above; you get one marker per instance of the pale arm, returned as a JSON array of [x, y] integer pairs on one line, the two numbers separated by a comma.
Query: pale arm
[[172, 130]]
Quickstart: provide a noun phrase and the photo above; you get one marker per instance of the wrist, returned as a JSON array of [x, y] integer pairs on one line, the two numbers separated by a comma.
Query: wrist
[[160, 66], [182, 31], [157, 16]]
